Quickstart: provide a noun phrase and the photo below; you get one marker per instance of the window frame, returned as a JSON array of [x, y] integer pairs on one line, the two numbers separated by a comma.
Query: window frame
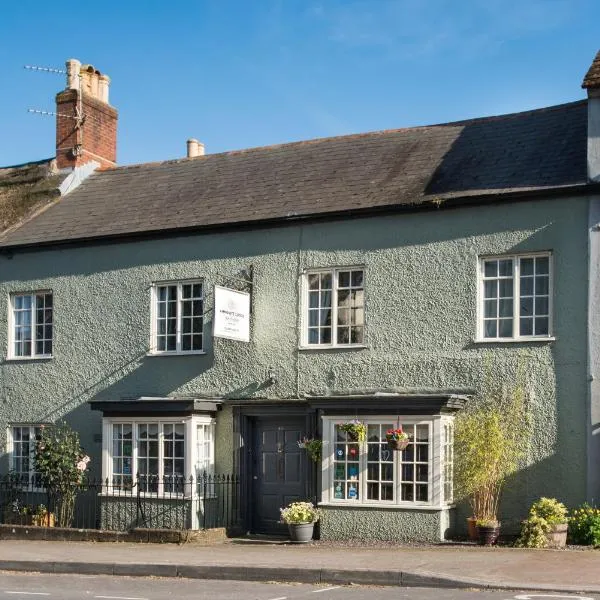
[[304, 321], [153, 351], [10, 354], [190, 447], [10, 450], [435, 482], [516, 268]]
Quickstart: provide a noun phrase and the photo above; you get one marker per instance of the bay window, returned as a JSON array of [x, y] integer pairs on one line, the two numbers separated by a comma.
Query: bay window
[[162, 456], [372, 473]]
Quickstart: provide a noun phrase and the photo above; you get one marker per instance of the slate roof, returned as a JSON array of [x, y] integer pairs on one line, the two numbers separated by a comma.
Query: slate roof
[[592, 77], [25, 189], [534, 150]]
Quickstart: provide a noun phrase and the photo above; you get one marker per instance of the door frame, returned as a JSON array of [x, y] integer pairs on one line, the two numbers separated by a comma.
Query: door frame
[[244, 420]]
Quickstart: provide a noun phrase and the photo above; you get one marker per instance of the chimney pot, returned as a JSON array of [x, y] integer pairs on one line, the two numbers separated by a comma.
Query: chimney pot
[[194, 148], [73, 70]]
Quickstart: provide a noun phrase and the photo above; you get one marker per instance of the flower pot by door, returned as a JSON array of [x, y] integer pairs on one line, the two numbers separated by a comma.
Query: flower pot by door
[[472, 533], [398, 444], [557, 536], [488, 536], [301, 533]]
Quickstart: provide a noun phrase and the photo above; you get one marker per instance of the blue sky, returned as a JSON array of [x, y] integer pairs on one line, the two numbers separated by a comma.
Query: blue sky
[[237, 74]]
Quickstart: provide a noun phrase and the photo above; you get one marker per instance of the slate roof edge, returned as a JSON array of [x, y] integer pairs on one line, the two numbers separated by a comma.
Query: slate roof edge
[[430, 203], [359, 135]]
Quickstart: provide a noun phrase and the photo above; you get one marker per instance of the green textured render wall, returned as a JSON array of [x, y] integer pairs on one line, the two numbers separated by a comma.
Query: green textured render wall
[[385, 524], [420, 306]]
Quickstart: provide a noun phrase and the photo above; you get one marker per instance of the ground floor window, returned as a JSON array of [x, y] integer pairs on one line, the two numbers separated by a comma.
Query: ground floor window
[[370, 472], [161, 456], [21, 442]]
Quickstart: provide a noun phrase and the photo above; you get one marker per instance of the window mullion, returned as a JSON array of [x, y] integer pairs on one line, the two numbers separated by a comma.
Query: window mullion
[[516, 297], [334, 302], [178, 326]]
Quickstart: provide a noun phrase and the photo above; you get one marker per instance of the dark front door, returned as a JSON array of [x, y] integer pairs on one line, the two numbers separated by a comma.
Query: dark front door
[[278, 470]]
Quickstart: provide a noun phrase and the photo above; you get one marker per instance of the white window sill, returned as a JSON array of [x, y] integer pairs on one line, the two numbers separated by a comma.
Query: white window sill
[[387, 506], [29, 358], [519, 340], [190, 353], [332, 347]]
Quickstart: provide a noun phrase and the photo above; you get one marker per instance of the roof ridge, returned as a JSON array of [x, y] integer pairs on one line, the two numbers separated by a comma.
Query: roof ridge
[[343, 137]]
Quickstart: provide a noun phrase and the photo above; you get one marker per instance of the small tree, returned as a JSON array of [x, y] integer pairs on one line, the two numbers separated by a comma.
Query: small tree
[[491, 439], [61, 464]]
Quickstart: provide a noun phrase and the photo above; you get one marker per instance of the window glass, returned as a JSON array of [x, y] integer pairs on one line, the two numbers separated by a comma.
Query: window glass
[[179, 317], [24, 439], [335, 307], [32, 325], [371, 472], [516, 297]]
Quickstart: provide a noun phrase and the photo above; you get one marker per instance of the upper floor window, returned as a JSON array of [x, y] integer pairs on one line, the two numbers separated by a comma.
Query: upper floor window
[[334, 307], [516, 297], [177, 317], [31, 330]]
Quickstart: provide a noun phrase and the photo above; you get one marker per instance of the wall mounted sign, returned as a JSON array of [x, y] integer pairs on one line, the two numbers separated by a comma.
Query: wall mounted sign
[[231, 319]]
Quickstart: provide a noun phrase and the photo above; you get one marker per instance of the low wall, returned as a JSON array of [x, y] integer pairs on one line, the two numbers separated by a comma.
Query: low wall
[[385, 524]]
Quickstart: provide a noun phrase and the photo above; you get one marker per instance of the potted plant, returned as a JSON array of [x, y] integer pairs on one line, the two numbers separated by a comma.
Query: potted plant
[[491, 438], [397, 439], [313, 447], [42, 517], [488, 531], [355, 429], [300, 517], [546, 526]]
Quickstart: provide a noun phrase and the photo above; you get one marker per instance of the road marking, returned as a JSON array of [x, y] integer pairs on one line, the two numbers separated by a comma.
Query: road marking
[[280, 598], [529, 596], [28, 593], [337, 587], [126, 598]]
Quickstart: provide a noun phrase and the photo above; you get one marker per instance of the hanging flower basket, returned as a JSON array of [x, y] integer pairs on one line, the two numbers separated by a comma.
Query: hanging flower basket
[[397, 439], [312, 446], [355, 429], [398, 445]]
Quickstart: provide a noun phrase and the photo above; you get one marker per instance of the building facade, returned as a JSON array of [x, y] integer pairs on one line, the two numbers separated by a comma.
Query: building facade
[[391, 310]]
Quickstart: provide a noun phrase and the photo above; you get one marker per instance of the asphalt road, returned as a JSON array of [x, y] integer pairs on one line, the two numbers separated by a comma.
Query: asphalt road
[[88, 587]]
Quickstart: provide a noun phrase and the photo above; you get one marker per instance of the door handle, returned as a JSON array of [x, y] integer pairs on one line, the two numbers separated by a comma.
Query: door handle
[[255, 477]]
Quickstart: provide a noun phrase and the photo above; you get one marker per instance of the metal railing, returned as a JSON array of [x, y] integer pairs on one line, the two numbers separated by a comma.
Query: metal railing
[[205, 502]]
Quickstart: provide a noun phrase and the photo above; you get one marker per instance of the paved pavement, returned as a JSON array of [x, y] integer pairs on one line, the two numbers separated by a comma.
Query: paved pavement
[[447, 566]]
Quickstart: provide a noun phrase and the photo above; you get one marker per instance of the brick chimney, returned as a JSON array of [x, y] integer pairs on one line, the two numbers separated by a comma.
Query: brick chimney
[[591, 82], [86, 124]]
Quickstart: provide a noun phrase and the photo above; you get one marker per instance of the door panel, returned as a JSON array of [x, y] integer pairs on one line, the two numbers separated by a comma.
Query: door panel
[[279, 471]]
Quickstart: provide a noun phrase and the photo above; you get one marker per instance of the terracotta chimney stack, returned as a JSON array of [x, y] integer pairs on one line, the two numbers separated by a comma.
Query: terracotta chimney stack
[[86, 125]]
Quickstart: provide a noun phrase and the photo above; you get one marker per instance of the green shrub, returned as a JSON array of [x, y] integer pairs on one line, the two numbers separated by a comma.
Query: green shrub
[[584, 525], [533, 533], [549, 509], [543, 513]]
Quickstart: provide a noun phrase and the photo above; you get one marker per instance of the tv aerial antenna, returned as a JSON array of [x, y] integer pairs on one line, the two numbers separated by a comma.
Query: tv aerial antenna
[[78, 117]]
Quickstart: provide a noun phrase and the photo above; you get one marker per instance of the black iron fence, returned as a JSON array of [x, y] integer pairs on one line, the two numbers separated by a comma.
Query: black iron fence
[[205, 502]]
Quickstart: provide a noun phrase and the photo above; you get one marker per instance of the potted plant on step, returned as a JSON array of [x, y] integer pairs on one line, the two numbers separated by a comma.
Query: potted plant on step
[[546, 525], [300, 517], [397, 439], [491, 437], [355, 429]]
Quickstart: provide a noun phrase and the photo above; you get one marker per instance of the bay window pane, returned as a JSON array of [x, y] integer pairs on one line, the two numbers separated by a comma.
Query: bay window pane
[[505, 329], [491, 268], [526, 326]]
